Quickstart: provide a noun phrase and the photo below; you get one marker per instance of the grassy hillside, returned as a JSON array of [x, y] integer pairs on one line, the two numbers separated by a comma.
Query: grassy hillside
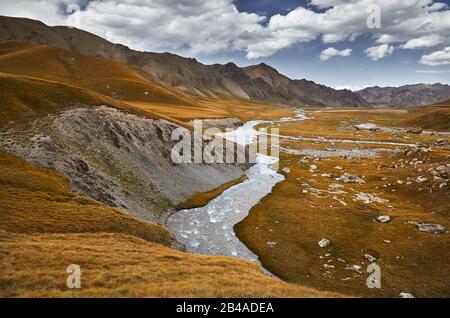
[[24, 99], [431, 118], [114, 265], [44, 228], [40, 79], [37, 200], [110, 78]]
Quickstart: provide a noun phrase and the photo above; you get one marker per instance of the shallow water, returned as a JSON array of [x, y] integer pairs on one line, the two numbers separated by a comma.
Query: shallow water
[[209, 230], [345, 141]]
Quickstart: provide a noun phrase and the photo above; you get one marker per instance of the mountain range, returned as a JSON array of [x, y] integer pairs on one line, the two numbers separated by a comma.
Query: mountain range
[[408, 95], [191, 79], [260, 82]]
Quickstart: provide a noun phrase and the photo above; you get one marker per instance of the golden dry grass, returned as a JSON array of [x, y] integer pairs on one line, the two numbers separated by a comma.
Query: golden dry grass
[[216, 109], [113, 265], [23, 99], [414, 262], [107, 77], [432, 118], [328, 123], [44, 228], [202, 199]]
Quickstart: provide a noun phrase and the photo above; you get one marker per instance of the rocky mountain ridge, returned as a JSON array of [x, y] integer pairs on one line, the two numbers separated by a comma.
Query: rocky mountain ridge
[[185, 74], [408, 95]]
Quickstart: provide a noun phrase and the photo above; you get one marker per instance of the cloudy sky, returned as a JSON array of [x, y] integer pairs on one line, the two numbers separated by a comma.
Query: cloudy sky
[[340, 43]]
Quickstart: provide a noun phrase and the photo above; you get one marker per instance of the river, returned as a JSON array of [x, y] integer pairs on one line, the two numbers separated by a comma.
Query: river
[[210, 229]]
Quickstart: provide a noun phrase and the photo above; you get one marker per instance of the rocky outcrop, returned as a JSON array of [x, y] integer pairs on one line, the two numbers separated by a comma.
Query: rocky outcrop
[[117, 158]]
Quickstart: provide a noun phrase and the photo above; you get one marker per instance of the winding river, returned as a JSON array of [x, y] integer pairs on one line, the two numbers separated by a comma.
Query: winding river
[[209, 229]]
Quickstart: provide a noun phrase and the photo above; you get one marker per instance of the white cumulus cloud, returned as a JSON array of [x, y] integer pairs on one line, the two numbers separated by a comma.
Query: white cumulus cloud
[[194, 26], [331, 51], [424, 42], [441, 57], [378, 52], [216, 26]]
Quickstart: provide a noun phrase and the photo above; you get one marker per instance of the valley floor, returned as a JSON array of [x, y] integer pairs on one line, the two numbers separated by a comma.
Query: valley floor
[[45, 227], [338, 181]]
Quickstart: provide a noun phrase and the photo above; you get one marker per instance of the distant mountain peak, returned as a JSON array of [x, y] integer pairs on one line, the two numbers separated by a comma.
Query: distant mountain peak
[[408, 95]]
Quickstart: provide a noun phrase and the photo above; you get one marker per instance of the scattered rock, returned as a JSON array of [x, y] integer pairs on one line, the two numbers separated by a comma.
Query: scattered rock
[[442, 143], [416, 131], [286, 170], [419, 147], [350, 178], [303, 160], [441, 172], [368, 198], [371, 127], [317, 154], [370, 258], [433, 172], [324, 243], [406, 295], [431, 228], [354, 268], [421, 179], [383, 219], [313, 168], [340, 201], [338, 168], [335, 186]]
